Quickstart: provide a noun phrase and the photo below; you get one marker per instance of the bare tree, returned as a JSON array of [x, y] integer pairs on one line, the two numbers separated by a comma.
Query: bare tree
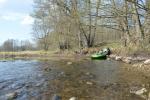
[[85, 23]]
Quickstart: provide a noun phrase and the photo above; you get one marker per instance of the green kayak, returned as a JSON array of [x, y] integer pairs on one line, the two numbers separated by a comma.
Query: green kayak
[[102, 54], [99, 56]]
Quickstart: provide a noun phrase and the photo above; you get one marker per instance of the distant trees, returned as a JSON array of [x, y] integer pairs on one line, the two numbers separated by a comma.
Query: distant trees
[[15, 45], [9, 45], [85, 23]]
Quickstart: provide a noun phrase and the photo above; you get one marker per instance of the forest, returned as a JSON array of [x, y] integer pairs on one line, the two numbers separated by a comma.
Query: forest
[[69, 24]]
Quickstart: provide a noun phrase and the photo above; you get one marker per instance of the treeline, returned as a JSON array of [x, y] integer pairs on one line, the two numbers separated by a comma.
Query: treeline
[[69, 24], [16, 45]]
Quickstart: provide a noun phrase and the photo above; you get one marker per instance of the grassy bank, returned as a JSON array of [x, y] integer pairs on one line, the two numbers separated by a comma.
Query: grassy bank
[[24, 54], [116, 48], [40, 55]]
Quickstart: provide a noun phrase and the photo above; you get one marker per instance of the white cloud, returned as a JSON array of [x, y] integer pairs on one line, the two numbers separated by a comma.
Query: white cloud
[[22, 18], [12, 16], [27, 20], [2, 2], [29, 1], [9, 18]]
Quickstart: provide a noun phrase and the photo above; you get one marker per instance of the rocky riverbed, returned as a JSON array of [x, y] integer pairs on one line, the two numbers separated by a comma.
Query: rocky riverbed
[[74, 79]]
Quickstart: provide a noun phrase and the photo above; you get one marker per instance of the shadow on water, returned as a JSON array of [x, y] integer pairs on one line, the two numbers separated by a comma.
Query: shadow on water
[[84, 79]]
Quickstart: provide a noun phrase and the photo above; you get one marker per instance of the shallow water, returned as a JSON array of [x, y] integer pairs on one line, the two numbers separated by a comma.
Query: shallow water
[[84, 79]]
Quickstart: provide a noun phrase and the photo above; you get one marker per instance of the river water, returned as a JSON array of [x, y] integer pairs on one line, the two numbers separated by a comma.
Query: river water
[[83, 79]]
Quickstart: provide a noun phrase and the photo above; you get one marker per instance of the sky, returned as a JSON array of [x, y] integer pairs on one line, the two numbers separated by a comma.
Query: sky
[[15, 19]]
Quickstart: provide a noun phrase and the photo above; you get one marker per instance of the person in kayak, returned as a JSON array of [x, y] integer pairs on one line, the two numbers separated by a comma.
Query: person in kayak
[[107, 51]]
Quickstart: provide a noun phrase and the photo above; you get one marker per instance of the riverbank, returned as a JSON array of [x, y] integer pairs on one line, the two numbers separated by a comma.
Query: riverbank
[[84, 53], [134, 57], [41, 55]]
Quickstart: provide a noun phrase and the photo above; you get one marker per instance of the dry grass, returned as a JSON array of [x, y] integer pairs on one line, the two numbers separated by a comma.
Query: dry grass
[[116, 48], [26, 53], [131, 49]]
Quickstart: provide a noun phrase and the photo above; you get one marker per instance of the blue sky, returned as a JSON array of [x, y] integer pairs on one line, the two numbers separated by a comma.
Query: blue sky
[[15, 19]]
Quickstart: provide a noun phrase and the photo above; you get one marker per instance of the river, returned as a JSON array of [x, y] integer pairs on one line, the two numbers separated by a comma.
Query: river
[[83, 79]]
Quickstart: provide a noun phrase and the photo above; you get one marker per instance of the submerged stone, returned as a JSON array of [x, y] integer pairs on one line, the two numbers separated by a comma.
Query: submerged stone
[[140, 92], [89, 83], [12, 96], [69, 63], [73, 98], [56, 97]]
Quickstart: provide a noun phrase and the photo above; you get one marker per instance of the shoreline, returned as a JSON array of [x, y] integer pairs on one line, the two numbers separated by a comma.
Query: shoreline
[[71, 55], [41, 56]]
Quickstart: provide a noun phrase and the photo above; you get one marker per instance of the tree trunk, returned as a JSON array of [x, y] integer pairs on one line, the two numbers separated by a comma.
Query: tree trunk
[[138, 25], [96, 19]]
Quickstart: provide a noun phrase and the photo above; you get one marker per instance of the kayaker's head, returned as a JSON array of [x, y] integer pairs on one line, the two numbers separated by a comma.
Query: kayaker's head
[[107, 50]]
